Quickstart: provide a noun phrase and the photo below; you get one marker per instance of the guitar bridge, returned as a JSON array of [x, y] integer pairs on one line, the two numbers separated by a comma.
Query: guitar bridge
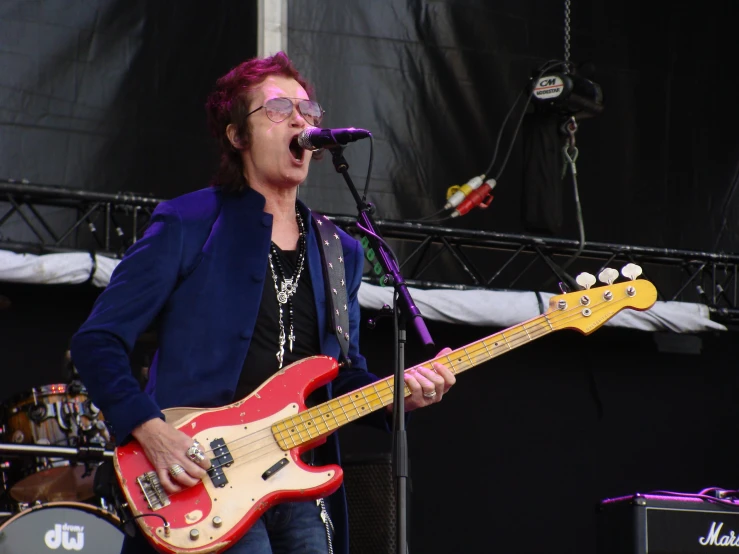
[[155, 496]]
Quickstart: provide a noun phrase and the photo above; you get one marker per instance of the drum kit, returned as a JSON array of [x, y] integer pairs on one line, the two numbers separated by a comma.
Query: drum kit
[[52, 441]]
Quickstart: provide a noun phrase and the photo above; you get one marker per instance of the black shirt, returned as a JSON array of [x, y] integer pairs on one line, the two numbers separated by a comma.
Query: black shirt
[[261, 360]]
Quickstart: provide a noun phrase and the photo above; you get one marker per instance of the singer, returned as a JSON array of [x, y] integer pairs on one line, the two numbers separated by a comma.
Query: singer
[[232, 277]]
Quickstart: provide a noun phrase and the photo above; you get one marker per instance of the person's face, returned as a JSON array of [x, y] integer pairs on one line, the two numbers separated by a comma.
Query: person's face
[[273, 157]]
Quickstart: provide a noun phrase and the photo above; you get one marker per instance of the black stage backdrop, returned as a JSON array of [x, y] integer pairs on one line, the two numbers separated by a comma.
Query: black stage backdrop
[[108, 96], [433, 81], [518, 454]]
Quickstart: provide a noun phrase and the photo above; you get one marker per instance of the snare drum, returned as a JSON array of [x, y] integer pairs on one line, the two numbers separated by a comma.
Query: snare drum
[[61, 527], [52, 415]]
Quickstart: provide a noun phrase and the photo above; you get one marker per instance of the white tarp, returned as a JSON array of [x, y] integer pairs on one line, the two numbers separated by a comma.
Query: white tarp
[[55, 269], [469, 307], [508, 308]]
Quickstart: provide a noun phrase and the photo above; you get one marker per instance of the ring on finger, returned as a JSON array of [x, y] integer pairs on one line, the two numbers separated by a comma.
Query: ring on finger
[[176, 469], [430, 394], [194, 452]]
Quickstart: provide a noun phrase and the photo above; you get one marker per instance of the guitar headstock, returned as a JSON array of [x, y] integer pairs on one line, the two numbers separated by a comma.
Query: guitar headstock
[[589, 308]]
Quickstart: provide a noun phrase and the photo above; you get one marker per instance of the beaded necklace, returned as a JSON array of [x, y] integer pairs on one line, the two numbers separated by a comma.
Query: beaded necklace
[[286, 289]]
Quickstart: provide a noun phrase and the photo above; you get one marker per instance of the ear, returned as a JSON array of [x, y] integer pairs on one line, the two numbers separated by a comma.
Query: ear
[[233, 137]]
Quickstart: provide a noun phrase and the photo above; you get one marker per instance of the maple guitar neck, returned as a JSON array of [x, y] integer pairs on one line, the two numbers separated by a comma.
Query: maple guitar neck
[[319, 421], [585, 311]]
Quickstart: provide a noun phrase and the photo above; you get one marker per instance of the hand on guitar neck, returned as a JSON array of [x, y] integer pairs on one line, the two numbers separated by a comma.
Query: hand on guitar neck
[[427, 386], [166, 447]]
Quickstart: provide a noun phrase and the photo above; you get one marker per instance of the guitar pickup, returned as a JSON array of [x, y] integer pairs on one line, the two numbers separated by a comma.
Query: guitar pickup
[[220, 449], [222, 459], [217, 477], [155, 496]]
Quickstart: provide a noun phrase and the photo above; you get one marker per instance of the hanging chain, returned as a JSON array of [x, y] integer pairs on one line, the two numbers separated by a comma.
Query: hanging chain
[[569, 150], [567, 33], [327, 523]]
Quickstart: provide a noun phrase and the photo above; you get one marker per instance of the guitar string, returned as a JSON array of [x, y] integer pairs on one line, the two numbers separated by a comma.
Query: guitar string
[[539, 328], [513, 339]]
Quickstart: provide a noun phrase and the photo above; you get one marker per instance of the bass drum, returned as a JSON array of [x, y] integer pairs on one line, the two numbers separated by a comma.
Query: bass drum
[[61, 527]]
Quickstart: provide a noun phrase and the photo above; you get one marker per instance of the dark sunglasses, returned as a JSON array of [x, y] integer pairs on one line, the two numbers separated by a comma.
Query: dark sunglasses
[[279, 109]]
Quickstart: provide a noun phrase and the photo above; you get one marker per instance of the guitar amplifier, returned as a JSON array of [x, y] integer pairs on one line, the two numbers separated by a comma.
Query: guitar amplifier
[[653, 524]]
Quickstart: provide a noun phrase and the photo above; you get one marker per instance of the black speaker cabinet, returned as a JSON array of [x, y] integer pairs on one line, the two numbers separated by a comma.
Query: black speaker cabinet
[[370, 492], [652, 524]]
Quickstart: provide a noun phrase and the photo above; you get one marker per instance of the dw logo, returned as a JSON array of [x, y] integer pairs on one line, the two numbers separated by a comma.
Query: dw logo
[[60, 536]]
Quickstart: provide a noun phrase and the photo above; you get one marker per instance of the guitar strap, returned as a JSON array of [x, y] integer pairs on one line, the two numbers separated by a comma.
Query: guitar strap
[[332, 255]]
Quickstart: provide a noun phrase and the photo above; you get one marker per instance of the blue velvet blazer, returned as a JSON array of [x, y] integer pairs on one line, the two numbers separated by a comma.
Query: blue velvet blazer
[[198, 273]]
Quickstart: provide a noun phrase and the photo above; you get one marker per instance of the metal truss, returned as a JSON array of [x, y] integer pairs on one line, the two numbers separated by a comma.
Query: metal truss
[[57, 219], [431, 256], [42, 219]]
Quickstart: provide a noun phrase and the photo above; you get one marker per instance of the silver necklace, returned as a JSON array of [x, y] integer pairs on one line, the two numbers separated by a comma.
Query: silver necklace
[[285, 289]]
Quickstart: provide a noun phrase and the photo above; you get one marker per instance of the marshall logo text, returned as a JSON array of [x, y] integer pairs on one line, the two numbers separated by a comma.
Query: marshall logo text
[[715, 538]]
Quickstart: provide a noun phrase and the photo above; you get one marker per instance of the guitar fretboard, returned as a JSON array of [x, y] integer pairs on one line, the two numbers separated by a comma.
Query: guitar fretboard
[[319, 421]]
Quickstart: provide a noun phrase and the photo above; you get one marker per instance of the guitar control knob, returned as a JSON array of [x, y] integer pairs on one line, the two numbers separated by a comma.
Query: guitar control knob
[[194, 534], [217, 521]]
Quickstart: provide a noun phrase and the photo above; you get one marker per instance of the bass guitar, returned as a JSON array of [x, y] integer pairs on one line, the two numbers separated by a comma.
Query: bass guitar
[[255, 444]]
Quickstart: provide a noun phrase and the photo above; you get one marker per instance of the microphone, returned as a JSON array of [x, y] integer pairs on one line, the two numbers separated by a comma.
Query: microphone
[[314, 138]]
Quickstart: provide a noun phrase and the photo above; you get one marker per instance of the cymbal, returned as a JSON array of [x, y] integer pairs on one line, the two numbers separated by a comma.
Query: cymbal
[[69, 483]]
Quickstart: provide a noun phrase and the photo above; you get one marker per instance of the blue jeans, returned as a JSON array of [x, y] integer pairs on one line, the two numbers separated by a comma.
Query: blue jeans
[[285, 528]]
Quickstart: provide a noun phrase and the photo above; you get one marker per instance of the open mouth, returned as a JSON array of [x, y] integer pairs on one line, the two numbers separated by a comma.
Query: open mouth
[[295, 149]]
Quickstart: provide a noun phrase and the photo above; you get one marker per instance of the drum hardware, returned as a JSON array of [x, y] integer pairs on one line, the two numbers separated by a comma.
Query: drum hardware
[[61, 437], [82, 452], [111, 495]]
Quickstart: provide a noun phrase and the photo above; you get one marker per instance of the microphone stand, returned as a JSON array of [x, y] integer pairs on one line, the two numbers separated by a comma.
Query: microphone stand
[[408, 310]]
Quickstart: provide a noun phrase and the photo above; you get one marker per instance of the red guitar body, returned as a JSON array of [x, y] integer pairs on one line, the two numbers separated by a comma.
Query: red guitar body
[[259, 473]]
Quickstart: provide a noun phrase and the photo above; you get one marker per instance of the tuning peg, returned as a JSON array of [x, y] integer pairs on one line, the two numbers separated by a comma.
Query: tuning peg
[[608, 276], [631, 271], [585, 280]]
